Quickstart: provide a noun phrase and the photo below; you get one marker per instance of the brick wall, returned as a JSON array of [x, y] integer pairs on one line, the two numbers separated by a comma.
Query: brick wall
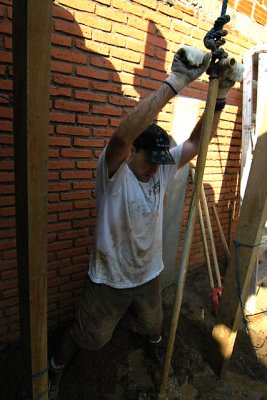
[[105, 56]]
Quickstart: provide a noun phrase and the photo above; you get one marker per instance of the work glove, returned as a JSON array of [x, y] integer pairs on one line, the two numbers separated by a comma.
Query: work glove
[[188, 64], [228, 79]]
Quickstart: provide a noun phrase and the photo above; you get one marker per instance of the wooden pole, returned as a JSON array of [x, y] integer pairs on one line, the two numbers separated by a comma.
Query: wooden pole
[[205, 138], [221, 233], [204, 237], [213, 248], [200, 166], [253, 215], [31, 51]]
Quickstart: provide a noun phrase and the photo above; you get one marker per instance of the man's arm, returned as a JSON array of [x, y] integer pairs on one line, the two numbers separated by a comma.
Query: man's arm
[[188, 65], [191, 145], [134, 124]]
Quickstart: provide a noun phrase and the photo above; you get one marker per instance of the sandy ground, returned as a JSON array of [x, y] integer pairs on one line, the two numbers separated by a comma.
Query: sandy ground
[[122, 370]]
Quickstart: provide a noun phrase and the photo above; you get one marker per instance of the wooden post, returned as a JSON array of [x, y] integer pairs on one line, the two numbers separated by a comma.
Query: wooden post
[[31, 54], [250, 227], [205, 138]]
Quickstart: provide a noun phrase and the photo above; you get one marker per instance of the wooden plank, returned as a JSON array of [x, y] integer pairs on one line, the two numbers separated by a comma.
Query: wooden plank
[[250, 130], [31, 53], [250, 227], [247, 127]]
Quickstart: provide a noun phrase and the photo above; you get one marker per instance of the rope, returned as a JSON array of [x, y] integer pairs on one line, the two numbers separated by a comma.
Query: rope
[[224, 7], [214, 38]]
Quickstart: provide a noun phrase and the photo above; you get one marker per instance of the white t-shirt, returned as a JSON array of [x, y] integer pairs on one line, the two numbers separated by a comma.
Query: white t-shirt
[[128, 236]]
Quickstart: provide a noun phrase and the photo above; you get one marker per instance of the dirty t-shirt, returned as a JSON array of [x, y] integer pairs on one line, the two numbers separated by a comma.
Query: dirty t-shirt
[[128, 236]]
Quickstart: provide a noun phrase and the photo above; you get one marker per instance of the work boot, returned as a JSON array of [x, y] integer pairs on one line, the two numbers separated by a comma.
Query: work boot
[[157, 353], [54, 375]]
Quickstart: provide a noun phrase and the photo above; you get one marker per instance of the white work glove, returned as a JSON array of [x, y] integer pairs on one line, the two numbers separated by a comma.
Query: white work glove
[[188, 64], [228, 79]]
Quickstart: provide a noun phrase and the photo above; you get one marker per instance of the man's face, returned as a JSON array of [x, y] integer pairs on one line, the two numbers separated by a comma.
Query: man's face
[[141, 166]]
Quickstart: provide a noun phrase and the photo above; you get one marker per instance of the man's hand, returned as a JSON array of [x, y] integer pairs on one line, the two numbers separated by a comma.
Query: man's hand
[[228, 79], [188, 64]]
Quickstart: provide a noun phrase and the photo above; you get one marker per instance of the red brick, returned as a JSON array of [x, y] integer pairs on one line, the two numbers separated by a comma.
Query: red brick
[[7, 177], [7, 201], [84, 204], [90, 96], [8, 44], [61, 164], [71, 56], [61, 40], [57, 187], [112, 14], [93, 21], [58, 117], [71, 81], [121, 101], [132, 31], [76, 175], [6, 84], [71, 28], [157, 41], [92, 73], [57, 141], [124, 54], [60, 91], [6, 27], [59, 245], [89, 142], [71, 106], [82, 5], [151, 4], [72, 130], [184, 9], [86, 165], [108, 38], [107, 110], [61, 67], [105, 63], [260, 14], [87, 120], [5, 57], [60, 12], [71, 153], [128, 7]]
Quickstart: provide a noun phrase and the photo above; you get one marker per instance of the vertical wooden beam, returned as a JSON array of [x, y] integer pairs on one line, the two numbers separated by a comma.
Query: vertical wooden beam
[[247, 127], [250, 227], [31, 61]]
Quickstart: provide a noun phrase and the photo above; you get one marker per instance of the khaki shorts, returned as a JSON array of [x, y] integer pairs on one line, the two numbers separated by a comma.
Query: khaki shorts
[[102, 307]]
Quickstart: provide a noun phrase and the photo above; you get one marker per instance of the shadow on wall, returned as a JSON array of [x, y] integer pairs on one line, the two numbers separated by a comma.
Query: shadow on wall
[[97, 76]]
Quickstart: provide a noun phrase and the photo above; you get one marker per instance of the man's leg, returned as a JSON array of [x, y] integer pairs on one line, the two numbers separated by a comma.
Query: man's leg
[[101, 307], [147, 315], [64, 354]]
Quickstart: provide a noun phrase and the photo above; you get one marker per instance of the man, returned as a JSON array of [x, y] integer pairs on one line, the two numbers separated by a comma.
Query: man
[[132, 174]]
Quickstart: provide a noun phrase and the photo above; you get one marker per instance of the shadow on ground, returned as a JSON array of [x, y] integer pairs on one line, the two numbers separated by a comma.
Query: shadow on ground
[[122, 370]]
